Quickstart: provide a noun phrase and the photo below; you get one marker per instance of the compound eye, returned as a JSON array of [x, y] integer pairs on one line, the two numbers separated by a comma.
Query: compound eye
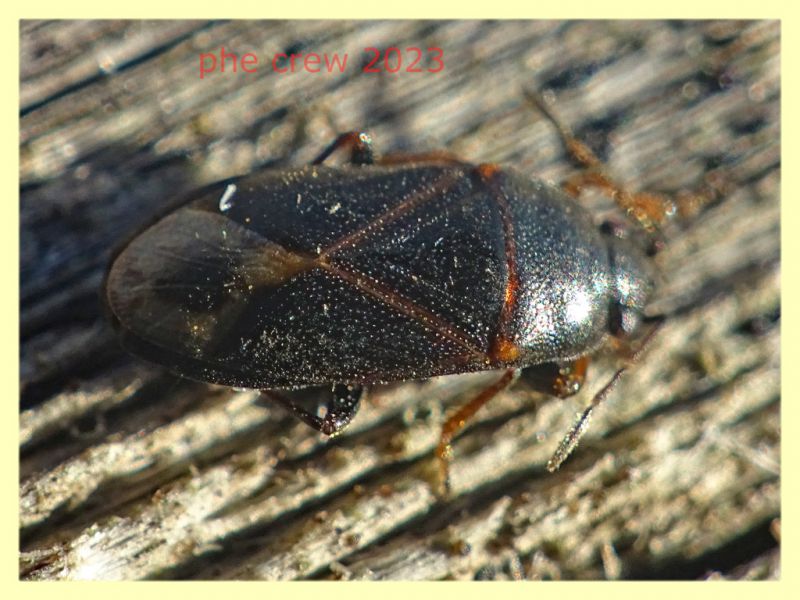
[[614, 228], [623, 321]]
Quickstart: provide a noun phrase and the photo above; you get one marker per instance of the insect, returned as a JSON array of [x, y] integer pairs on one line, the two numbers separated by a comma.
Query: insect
[[387, 269]]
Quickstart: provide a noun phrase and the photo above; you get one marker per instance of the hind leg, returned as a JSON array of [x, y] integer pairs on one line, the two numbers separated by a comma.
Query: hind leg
[[340, 408]]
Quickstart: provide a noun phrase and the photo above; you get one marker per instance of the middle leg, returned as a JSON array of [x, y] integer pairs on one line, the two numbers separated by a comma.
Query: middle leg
[[456, 422]]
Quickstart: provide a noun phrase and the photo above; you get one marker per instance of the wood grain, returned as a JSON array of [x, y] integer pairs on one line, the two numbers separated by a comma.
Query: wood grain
[[130, 473]]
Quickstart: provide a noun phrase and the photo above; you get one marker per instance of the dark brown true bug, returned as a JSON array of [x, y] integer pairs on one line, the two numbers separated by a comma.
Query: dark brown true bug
[[404, 267]]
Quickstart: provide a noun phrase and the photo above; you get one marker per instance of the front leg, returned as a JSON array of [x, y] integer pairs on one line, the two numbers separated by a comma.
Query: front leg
[[561, 380], [650, 210]]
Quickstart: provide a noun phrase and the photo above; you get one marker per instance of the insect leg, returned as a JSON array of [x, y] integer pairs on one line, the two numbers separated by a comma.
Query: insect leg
[[341, 407], [577, 149], [362, 153], [557, 379], [571, 439], [457, 421], [441, 157], [647, 208], [359, 144]]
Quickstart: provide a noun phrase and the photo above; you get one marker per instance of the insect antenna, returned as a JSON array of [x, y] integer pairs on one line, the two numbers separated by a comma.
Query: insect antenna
[[650, 210], [570, 441]]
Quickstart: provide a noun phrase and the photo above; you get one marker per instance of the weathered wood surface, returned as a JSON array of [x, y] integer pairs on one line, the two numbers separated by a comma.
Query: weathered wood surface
[[130, 473]]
